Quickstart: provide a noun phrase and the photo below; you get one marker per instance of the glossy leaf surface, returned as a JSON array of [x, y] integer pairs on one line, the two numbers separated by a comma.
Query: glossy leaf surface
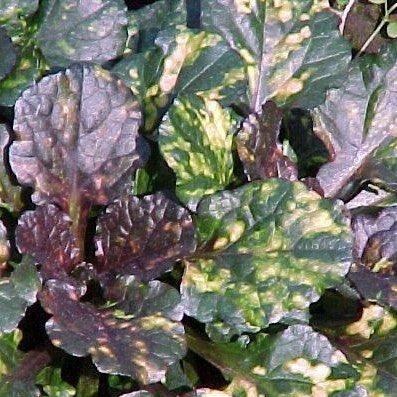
[[269, 249]]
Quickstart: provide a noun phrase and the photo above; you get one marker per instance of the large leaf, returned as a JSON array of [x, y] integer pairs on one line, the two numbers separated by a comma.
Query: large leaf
[[143, 237], [357, 120], [196, 139], [14, 383], [295, 362], [17, 293], [290, 47], [141, 346], [375, 250], [259, 148], [46, 235], [10, 195], [184, 62], [270, 249], [83, 144], [87, 30]]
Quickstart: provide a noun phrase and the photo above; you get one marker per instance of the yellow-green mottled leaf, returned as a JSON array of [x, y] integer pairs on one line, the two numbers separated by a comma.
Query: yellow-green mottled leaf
[[196, 139], [371, 344], [295, 362], [268, 250], [292, 49], [184, 62], [13, 13], [53, 384]]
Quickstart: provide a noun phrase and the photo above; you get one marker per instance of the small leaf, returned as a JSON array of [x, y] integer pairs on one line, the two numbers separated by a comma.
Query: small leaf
[[259, 149], [376, 255], [143, 237], [17, 293], [14, 12], [10, 195], [87, 30], [184, 62], [141, 347], [9, 57], [46, 235], [290, 48], [196, 139], [13, 381], [84, 144], [268, 250], [357, 120], [53, 385], [297, 361], [146, 23]]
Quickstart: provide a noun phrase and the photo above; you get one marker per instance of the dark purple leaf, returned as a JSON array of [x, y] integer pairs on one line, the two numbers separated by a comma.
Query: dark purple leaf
[[375, 250], [46, 235], [77, 140], [142, 347], [143, 237], [259, 148]]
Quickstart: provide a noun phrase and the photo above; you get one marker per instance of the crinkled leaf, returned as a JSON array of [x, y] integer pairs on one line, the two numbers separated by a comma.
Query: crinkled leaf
[[290, 48], [271, 248], [13, 383], [146, 23], [10, 195], [53, 384], [375, 251], [17, 293], [370, 343], [184, 62], [297, 361], [8, 52], [196, 139], [46, 235], [141, 347], [259, 148], [87, 30], [144, 237], [83, 144], [136, 298], [357, 120]]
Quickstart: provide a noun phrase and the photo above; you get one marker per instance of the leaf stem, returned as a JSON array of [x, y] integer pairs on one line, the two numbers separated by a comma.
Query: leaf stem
[[382, 23]]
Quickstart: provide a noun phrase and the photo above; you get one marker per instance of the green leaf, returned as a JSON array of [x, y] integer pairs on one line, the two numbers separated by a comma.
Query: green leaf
[[184, 62], [290, 48], [53, 385], [14, 12], [295, 362], [83, 31], [196, 139], [17, 293], [10, 360], [10, 195], [140, 344], [370, 343], [8, 54], [358, 122], [268, 250], [145, 23]]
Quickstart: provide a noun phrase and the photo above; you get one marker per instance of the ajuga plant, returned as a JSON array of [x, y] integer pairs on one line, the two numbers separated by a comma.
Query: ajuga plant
[[197, 199]]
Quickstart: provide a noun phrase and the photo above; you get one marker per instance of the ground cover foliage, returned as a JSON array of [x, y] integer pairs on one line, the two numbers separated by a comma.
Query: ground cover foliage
[[198, 198]]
